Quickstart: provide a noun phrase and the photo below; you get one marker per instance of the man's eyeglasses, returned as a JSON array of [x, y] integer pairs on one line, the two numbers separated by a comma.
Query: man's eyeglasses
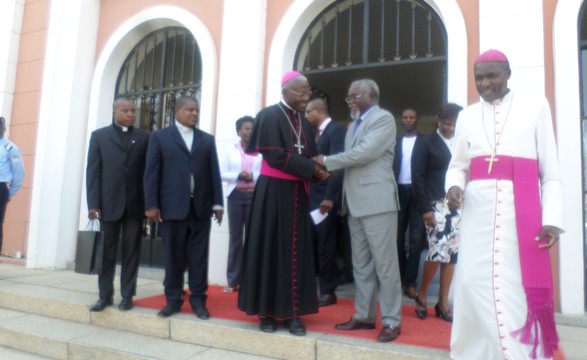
[[309, 111], [308, 94], [354, 97]]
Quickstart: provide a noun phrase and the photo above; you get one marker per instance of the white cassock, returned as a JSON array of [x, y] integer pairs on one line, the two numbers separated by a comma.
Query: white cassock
[[489, 300]]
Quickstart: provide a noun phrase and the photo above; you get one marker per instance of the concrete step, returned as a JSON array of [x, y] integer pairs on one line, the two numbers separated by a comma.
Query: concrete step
[[51, 308], [11, 354], [42, 337]]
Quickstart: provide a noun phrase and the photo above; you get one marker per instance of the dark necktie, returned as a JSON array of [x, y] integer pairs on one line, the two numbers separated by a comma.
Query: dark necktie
[[318, 132], [357, 123]]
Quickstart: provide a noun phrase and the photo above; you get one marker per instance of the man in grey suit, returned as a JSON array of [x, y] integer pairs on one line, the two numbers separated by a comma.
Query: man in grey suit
[[370, 196]]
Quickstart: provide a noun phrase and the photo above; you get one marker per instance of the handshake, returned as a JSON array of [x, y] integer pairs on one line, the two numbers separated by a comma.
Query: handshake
[[320, 171]]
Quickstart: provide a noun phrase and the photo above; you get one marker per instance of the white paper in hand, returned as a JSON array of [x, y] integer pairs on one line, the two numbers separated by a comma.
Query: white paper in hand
[[317, 216]]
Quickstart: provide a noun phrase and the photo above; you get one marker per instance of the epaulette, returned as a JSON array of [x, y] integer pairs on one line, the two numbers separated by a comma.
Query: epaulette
[[8, 146]]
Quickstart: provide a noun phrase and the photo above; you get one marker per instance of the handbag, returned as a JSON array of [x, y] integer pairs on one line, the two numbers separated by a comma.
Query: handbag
[[443, 237], [89, 253]]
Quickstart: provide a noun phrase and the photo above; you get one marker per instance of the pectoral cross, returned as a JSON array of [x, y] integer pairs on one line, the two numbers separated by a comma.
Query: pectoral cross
[[299, 147], [491, 160]]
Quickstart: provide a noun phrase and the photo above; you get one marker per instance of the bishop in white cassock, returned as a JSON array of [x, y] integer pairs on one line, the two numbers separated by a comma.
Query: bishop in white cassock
[[492, 298]]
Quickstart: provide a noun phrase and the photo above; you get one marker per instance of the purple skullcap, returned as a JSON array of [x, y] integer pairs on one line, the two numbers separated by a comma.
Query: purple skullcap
[[289, 75], [491, 56]]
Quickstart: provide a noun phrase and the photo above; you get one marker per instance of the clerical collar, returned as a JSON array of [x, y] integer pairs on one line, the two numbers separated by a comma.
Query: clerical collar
[[182, 128], [123, 128], [287, 106], [501, 99]]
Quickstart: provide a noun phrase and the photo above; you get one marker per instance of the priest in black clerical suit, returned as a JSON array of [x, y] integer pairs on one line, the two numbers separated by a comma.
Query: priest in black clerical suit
[[114, 184], [278, 275]]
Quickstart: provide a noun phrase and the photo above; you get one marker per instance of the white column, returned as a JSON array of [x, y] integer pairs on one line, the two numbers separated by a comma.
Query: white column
[[569, 134], [524, 46], [240, 88], [11, 13], [59, 164]]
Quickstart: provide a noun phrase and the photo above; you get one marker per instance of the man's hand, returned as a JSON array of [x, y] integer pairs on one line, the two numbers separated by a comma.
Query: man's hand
[[429, 219], [320, 172], [455, 196], [218, 216], [154, 215], [94, 214], [551, 233], [326, 206], [319, 159], [245, 176]]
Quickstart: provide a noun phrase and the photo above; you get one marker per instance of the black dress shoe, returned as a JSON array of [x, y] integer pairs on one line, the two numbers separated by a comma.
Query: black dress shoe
[[267, 324], [326, 299], [444, 315], [354, 324], [168, 310], [389, 333], [125, 304], [201, 312], [295, 326], [101, 305]]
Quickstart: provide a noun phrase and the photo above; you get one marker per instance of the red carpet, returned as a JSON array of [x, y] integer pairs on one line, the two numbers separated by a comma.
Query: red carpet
[[432, 332]]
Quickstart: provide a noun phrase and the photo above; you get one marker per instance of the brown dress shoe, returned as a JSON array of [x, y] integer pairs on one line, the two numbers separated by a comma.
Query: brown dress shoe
[[410, 292], [354, 324], [326, 299], [389, 333]]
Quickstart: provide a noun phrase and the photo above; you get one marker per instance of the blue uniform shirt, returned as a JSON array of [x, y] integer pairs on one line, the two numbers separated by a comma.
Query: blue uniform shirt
[[11, 166]]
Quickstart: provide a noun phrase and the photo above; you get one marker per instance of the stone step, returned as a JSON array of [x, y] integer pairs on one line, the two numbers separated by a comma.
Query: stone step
[[11, 354], [50, 307], [31, 336]]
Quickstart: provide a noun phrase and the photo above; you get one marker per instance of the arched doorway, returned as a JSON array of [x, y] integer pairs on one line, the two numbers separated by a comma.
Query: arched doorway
[[164, 65], [400, 44], [582, 37]]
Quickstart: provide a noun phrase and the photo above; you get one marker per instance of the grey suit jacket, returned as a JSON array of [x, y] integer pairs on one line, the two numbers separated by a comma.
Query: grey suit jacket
[[369, 186]]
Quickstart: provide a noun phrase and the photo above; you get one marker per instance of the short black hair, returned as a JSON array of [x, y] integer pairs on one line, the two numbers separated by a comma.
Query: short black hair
[[449, 111], [182, 100], [241, 121]]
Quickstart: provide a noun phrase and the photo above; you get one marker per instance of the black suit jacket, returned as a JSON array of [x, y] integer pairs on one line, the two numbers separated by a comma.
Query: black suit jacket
[[430, 160], [169, 167], [397, 159], [114, 174], [330, 142]]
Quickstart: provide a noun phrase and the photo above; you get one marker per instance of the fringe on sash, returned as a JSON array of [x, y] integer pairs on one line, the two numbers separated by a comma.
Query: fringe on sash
[[539, 329]]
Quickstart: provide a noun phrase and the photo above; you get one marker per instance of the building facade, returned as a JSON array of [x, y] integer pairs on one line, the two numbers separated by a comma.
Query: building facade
[[63, 61]]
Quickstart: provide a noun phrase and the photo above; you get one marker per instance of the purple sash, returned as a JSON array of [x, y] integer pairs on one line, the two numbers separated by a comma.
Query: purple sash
[[539, 328]]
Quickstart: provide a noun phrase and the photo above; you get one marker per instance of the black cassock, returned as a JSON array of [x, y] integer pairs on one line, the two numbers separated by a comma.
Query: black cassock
[[278, 277]]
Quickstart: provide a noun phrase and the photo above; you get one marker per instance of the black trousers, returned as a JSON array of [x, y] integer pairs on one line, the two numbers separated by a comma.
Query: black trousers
[[409, 248], [326, 240], [186, 243], [238, 207], [3, 205], [131, 251]]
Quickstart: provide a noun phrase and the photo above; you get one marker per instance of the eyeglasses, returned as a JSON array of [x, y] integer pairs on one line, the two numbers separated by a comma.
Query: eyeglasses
[[309, 111], [353, 97], [308, 94]]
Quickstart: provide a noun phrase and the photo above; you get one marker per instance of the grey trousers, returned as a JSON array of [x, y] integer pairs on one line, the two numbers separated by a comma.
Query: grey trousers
[[375, 265]]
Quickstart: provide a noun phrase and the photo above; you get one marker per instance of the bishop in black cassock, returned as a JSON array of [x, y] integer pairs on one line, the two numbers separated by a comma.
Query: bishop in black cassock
[[278, 274]]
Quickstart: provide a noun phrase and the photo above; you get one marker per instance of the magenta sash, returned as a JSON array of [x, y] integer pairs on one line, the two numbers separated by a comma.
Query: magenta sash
[[267, 170], [539, 328]]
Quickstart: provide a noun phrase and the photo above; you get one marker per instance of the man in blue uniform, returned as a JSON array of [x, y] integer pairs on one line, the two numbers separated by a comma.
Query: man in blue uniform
[[11, 173]]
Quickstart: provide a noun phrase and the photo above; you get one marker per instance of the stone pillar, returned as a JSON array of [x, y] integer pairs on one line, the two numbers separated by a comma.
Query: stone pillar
[[59, 163], [240, 88]]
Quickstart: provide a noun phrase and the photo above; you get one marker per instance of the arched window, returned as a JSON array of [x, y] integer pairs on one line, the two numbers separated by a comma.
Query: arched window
[[401, 44], [164, 65]]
